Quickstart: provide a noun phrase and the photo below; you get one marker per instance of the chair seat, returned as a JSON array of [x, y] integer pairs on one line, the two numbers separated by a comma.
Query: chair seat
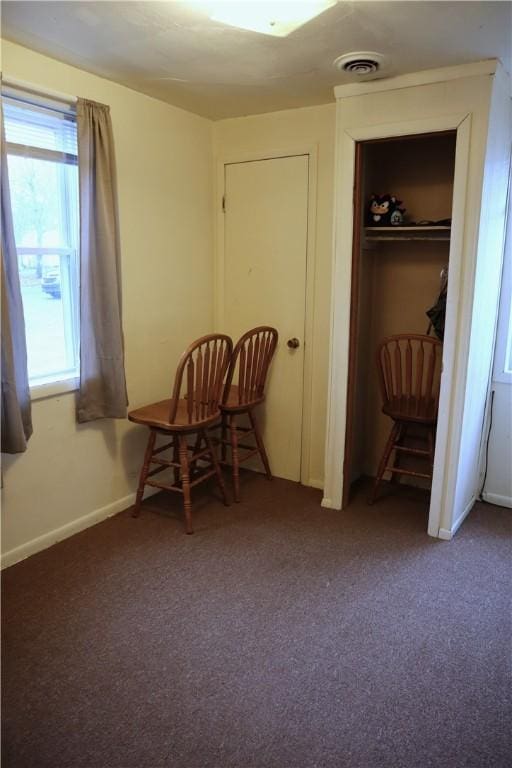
[[156, 415], [232, 403], [413, 409]]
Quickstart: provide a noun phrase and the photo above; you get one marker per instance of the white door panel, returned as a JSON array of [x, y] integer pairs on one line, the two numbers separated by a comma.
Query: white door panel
[[265, 236]]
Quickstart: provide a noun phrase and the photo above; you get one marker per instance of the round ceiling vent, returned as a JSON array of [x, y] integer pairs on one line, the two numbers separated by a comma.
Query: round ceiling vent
[[360, 63]]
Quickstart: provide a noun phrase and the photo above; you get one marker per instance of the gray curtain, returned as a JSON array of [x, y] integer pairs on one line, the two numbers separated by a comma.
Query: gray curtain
[[16, 409], [102, 378]]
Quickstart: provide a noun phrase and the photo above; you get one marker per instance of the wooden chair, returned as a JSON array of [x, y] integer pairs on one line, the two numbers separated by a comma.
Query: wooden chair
[[250, 363], [409, 370], [193, 407]]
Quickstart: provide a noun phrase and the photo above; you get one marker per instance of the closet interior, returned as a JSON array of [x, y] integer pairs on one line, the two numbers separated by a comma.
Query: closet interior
[[398, 274]]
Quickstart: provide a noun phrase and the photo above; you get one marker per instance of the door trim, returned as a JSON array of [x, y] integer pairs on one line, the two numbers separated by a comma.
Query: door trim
[[311, 151], [353, 323], [458, 306]]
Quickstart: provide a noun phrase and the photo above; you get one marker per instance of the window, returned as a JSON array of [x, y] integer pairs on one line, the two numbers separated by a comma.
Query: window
[[43, 177]]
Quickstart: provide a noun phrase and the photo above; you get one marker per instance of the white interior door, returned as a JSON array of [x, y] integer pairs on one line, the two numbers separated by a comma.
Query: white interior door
[[265, 250]]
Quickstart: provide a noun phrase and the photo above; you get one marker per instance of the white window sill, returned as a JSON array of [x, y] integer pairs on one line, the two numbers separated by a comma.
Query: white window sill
[[53, 388]]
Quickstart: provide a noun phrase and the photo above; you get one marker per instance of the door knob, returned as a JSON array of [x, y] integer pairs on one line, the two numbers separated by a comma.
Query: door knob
[[293, 343]]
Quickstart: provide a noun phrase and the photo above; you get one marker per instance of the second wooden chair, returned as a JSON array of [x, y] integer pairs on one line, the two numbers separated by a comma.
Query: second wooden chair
[[249, 367]]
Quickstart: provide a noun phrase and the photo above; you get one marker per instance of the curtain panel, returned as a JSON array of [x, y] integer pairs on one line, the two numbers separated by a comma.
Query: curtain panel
[[102, 392], [16, 407]]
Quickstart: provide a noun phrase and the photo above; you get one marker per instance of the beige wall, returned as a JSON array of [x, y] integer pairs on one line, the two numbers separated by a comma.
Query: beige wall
[[295, 130], [73, 475], [165, 197]]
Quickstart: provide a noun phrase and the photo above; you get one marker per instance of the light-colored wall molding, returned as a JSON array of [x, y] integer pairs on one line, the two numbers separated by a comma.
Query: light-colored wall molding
[[500, 501], [40, 543], [447, 534]]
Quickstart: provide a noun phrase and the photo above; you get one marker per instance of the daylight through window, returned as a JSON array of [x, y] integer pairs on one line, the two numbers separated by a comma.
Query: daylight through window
[[43, 178]]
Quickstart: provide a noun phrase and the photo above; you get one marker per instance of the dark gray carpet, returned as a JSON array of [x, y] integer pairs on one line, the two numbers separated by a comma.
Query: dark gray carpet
[[280, 635]]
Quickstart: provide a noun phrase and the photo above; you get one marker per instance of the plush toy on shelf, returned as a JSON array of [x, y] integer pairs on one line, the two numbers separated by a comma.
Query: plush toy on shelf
[[385, 211]]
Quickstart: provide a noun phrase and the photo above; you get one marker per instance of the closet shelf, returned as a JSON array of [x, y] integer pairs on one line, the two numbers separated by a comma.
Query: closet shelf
[[407, 233]]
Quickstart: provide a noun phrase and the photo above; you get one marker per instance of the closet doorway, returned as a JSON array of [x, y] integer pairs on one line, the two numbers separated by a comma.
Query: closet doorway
[[399, 272]]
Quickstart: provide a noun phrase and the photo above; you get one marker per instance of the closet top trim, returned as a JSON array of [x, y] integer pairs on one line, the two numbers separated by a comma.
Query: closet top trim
[[427, 77]]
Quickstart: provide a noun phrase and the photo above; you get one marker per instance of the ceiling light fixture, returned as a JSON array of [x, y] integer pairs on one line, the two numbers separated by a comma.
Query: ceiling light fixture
[[278, 18]]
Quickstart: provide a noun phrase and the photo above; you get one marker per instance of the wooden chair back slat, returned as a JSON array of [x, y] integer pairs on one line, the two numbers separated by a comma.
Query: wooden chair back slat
[[205, 398], [200, 377], [262, 366], [408, 366], [420, 358], [220, 377], [387, 372], [213, 367], [190, 388], [431, 367], [242, 370], [398, 369], [409, 371], [250, 363], [199, 385], [255, 363]]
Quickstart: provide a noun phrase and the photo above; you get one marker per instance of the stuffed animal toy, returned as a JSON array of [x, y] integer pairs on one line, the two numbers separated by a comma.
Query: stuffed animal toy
[[385, 211]]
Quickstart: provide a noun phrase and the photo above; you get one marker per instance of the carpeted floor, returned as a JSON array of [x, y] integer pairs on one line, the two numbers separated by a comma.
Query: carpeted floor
[[280, 635]]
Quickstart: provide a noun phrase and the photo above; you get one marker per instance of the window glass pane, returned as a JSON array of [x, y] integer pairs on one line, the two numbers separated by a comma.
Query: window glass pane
[[36, 202], [45, 315], [44, 200]]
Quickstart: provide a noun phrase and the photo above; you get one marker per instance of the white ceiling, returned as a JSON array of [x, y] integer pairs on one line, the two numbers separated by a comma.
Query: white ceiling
[[172, 51]]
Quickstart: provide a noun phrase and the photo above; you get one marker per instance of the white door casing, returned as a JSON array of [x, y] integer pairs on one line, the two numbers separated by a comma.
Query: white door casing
[[443, 483], [474, 100]]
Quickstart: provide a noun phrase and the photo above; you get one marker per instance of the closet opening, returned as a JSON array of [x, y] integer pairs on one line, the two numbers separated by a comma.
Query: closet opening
[[400, 272]]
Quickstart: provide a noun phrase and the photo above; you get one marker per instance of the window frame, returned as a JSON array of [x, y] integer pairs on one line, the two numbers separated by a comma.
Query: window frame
[[64, 381]]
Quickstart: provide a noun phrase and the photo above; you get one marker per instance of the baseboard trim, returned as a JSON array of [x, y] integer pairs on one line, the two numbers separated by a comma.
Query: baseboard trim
[[495, 498], [318, 484], [33, 546], [446, 534], [327, 503]]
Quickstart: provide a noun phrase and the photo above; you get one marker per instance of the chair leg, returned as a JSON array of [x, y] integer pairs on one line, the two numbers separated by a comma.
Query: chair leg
[[218, 473], [402, 434], [144, 473], [384, 460], [260, 444], [223, 438], [234, 457], [176, 459], [185, 482], [197, 447]]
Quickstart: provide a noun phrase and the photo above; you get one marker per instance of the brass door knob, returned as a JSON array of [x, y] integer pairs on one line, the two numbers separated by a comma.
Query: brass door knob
[[293, 343]]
